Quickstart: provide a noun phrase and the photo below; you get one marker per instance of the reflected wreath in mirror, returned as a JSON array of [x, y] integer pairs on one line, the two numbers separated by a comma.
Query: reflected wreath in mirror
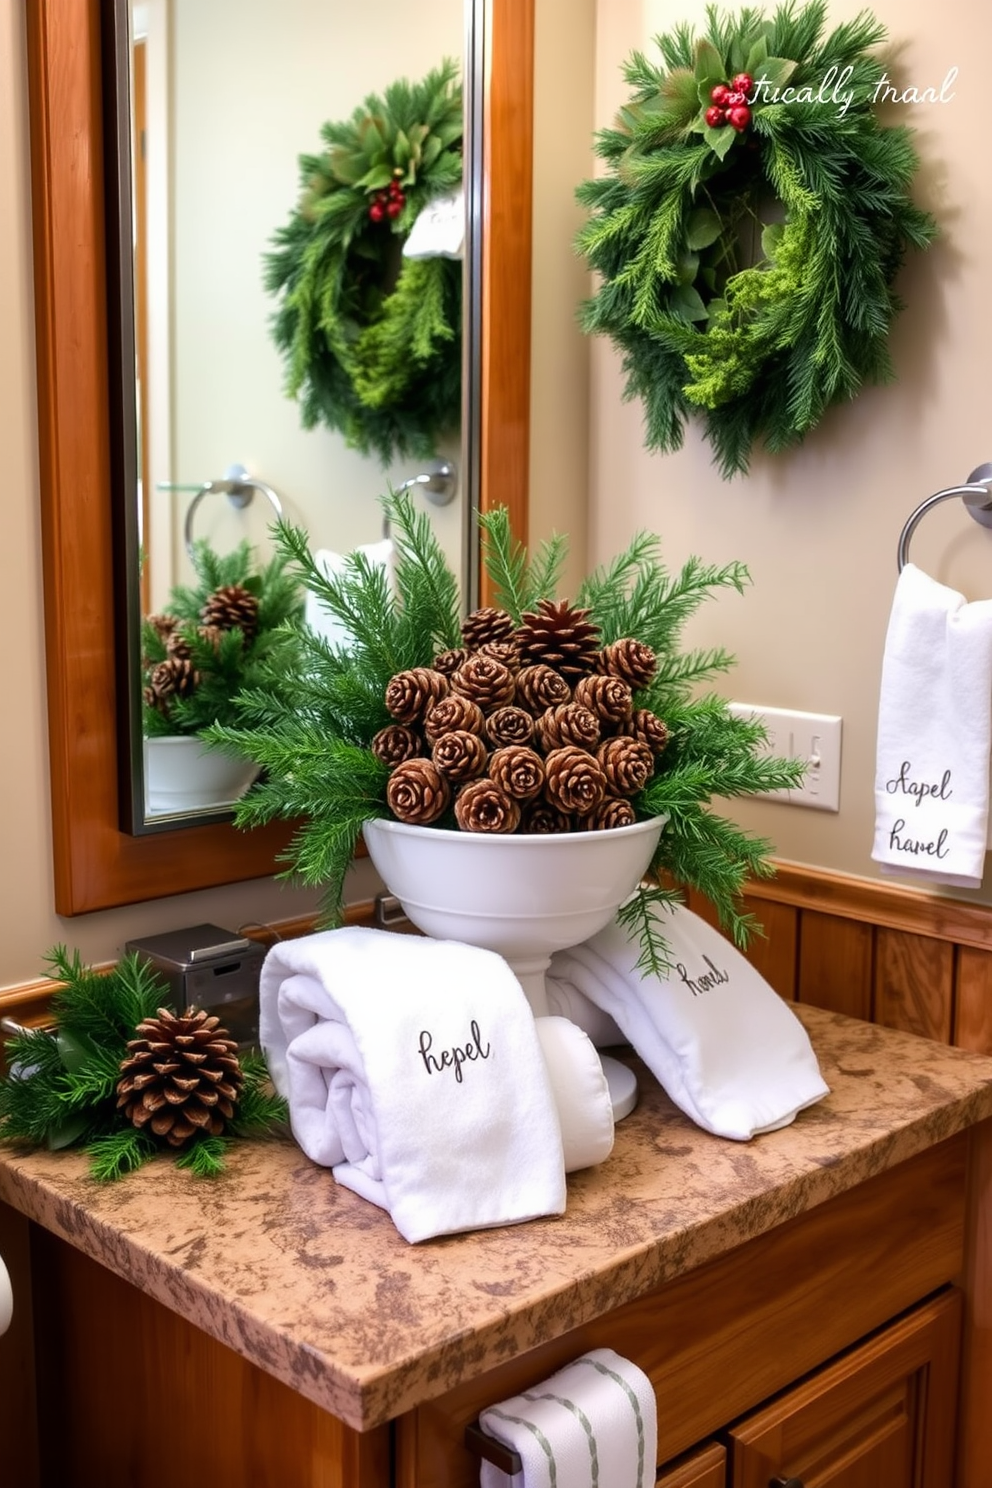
[[749, 227], [371, 338]]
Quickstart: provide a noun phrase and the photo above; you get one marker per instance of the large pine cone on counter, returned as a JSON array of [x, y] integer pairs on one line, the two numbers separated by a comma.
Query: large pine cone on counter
[[181, 1076]]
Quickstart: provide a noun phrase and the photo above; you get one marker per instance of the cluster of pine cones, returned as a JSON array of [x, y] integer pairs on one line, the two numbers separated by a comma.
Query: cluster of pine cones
[[232, 606], [528, 728]]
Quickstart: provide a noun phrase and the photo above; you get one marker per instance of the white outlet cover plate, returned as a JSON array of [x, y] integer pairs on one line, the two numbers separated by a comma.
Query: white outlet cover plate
[[814, 737]]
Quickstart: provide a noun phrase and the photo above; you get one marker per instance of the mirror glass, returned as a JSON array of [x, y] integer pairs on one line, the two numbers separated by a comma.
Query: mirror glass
[[224, 97]]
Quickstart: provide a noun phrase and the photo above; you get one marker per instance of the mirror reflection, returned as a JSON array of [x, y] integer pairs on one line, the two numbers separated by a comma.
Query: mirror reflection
[[226, 98]]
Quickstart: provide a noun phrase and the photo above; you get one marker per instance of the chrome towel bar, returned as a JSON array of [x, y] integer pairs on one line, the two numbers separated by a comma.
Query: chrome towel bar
[[977, 498]]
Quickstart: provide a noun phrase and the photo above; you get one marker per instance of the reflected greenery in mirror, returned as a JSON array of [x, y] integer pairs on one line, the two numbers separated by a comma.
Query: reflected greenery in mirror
[[368, 324]]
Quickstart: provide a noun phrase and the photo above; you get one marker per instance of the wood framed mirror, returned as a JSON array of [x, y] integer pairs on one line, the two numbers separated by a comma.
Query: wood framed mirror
[[97, 865]]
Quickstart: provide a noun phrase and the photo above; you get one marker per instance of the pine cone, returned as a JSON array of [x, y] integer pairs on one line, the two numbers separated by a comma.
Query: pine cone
[[608, 697], [460, 756], [627, 764], [449, 661], [174, 677], [484, 625], [509, 725], [632, 661], [568, 724], [487, 682], [417, 792], [540, 687], [648, 727], [163, 626], [505, 651], [181, 1076], [518, 771], [232, 607], [561, 637], [410, 694], [611, 812], [210, 635], [575, 780], [453, 712], [483, 807], [540, 819], [178, 646], [395, 744]]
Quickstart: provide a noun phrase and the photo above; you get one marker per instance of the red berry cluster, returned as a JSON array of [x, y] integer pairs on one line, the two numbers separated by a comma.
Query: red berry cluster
[[388, 203], [729, 103]]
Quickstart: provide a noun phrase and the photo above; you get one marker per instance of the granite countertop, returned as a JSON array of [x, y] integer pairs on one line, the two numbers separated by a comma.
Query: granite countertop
[[317, 1287]]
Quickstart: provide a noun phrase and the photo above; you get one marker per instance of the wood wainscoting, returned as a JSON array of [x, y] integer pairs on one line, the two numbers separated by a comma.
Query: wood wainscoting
[[894, 956]]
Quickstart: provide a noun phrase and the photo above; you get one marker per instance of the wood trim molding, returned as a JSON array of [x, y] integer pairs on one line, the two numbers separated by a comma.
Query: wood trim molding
[[506, 263], [874, 903]]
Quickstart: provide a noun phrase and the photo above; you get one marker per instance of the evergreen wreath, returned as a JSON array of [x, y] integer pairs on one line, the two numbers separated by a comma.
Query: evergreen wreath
[[73, 1086], [371, 340], [749, 227], [313, 731]]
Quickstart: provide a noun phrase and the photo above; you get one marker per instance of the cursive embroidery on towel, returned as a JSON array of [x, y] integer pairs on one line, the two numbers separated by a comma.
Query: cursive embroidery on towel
[[915, 846], [455, 1057], [704, 983], [903, 784]]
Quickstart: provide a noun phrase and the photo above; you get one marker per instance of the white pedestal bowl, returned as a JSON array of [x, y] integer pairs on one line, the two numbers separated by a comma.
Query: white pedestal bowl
[[522, 896]]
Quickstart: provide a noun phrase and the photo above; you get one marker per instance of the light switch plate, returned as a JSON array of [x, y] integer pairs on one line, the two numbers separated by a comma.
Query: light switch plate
[[812, 737]]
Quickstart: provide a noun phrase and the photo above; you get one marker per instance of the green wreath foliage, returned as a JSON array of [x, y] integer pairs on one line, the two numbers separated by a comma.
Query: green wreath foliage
[[747, 274], [371, 341]]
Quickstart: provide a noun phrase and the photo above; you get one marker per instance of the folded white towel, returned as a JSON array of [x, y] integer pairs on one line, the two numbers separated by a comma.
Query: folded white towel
[[932, 757], [332, 565], [594, 1424], [565, 1002], [439, 231], [581, 1092], [730, 1053], [412, 1068]]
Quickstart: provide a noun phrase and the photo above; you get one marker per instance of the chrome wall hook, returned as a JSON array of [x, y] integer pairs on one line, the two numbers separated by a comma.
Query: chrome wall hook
[[439, 482], [977, 498]]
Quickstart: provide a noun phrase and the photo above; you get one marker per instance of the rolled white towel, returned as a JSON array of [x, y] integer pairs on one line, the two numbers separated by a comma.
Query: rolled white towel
[[412, 1068], [582, 1095], [593, 1423]]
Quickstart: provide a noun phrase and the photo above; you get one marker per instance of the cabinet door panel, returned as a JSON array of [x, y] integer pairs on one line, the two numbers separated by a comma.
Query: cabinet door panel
[[882, 1414]]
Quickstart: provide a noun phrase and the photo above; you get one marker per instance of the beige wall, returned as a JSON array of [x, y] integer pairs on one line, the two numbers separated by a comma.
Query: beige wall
[[818, 528]]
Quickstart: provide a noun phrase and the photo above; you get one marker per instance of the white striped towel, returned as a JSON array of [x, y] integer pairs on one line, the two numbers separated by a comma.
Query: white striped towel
[[593, 1424]]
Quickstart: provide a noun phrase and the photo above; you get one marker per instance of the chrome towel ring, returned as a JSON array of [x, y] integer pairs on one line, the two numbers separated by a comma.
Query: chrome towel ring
[[239, 488], [977, 498]]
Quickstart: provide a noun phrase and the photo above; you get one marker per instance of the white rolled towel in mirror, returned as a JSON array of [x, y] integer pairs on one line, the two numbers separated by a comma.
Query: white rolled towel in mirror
[[6, 1298], [580, 1090]]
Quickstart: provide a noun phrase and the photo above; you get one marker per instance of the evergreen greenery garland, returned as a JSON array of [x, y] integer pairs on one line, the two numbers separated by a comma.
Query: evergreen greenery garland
[[221, 661], [372, 340], [747, 261], [311, 731], [61, 1089]]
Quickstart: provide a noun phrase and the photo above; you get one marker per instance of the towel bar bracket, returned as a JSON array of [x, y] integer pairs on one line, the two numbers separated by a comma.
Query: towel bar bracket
[[977, 498], [481, 1444]]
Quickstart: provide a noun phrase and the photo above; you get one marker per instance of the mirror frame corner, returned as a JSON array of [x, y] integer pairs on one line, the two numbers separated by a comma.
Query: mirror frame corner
[[96, 864]]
